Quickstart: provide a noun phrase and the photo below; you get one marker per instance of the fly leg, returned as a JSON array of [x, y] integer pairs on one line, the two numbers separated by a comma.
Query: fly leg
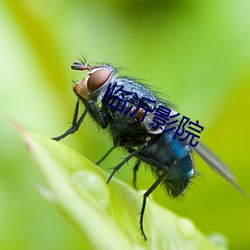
[[75, 124], [145, 196], [135, 169], [105, 155], [116, 168]]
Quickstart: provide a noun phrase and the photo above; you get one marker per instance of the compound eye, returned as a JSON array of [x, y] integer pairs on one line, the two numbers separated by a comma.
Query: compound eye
[[97, 79]]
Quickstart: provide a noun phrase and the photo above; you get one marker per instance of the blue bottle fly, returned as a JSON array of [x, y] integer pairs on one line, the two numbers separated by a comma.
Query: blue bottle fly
[[145, 125]]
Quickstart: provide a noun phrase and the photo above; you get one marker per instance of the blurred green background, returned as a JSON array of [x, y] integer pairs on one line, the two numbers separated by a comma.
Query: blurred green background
[[196, 53]]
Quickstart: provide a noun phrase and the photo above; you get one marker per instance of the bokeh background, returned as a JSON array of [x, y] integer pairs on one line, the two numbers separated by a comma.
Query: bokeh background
[[195, 52]]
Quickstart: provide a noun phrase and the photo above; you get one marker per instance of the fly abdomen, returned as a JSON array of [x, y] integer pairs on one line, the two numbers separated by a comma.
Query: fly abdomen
[[180, 166], [172, 157], [178, 176]]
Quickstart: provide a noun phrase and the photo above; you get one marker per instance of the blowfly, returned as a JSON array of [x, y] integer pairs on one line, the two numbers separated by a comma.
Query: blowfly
[[148, 127]]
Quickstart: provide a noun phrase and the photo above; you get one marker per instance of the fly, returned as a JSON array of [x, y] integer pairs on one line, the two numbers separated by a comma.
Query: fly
[[127, 109]]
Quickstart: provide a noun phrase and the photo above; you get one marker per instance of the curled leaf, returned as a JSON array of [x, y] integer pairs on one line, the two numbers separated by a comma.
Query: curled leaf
[[107, 215]]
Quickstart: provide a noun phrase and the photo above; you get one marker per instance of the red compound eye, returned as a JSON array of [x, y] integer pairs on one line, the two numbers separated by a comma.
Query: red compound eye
[[97, 79]]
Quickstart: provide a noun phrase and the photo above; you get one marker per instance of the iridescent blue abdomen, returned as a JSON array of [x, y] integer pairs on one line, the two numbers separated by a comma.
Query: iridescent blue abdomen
[[174, 158]]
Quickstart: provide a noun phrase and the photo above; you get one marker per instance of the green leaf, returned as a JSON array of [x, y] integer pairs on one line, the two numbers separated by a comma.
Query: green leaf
[[107, 215]]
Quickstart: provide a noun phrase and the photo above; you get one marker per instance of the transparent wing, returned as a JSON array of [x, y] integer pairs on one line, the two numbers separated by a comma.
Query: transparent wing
[[217, 165]]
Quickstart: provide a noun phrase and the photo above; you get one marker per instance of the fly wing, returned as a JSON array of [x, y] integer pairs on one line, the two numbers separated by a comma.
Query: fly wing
[[214, 162], [217, 165]]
